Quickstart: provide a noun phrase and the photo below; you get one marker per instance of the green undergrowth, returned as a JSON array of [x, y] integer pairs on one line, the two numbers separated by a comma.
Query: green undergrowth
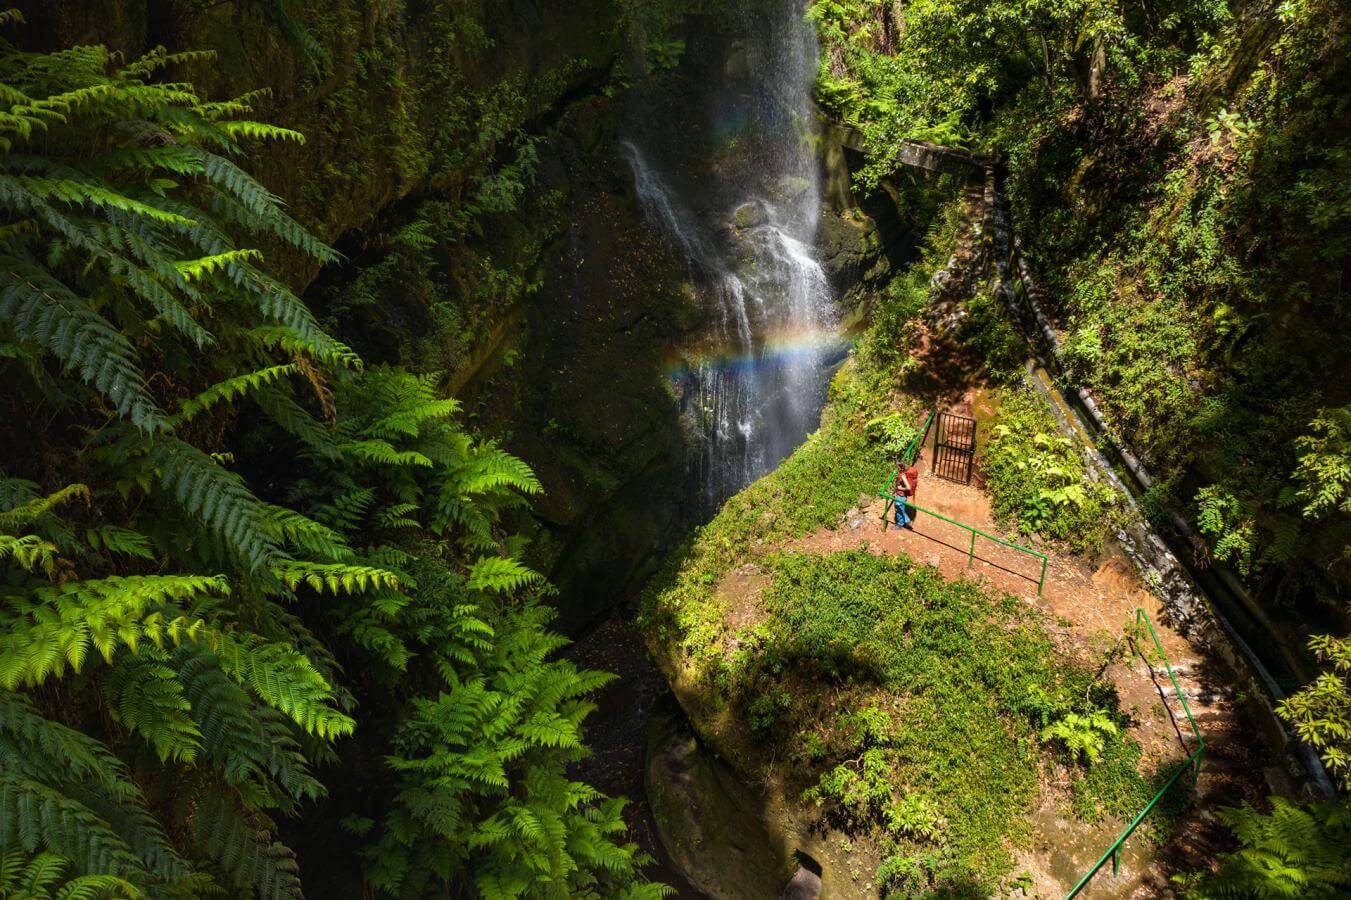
[[942, 750], [918, 714], [810, 490], [1037, 478]]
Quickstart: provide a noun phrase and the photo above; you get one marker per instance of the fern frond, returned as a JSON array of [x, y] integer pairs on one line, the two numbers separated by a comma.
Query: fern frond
[[119, 540], [280, 337], [202, 267], [216, 497], [336, 578], [282, 409], [492, 469], [383, 453], [40, 309], [500, 575], [230, 389], [284, 679], [244, 848], [30, 551], [50, 751], [242, 738], [260, 131], [306, 535], [33, 815], [44, 877], [62, 624], [144, 695], [26, 513]]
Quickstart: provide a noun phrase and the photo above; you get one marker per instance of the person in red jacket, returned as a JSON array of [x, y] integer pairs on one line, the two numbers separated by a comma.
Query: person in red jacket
[[907, 482]]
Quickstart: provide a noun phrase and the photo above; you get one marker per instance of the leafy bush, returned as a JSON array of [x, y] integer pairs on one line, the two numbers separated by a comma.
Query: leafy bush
[[892, 433], [1321, 712], [1037, 479], [1292, 851], [1083, 736], [988, 331], [169, 630]]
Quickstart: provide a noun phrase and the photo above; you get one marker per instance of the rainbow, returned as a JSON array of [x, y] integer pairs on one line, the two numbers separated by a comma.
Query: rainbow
[[775, 349]]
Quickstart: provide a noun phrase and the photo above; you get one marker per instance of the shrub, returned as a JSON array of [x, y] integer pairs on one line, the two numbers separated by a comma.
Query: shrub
[[1037, 479]]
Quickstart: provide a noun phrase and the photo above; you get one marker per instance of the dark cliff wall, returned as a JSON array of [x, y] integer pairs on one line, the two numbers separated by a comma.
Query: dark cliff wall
[[462, 156]]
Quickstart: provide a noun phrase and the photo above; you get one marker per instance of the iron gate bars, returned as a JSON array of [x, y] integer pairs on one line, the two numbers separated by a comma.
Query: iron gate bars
[[955, 448]]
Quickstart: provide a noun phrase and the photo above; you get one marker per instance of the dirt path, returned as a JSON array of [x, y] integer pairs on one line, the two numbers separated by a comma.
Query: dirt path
[[1088, 602]]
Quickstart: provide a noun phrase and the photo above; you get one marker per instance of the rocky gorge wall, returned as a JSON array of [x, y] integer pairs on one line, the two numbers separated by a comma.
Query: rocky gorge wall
[[464, 157]]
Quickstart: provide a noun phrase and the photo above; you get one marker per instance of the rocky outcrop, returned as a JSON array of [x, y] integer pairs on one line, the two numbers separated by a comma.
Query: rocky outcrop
[[711, 821], [736, 839]]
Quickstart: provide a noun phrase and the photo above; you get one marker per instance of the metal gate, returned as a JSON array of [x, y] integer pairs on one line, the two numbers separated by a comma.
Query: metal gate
[[955, 448]]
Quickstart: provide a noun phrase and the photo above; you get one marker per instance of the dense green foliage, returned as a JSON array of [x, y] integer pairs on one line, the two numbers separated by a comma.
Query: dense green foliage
[[1036, 477], [1208, 314], [173, 608], [1178, 178], [1289, 852], [966, 689]]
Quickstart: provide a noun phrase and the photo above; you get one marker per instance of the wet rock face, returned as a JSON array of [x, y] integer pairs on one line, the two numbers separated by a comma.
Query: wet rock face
[[712, 822], [804, 885], [372, 117], [851, 250], [749, 215]]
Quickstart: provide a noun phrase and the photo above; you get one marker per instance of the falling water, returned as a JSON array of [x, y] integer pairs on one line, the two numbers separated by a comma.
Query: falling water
[[753, 386]]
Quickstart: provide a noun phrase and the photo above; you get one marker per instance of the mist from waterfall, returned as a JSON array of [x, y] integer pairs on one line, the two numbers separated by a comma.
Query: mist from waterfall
[[752, 388]]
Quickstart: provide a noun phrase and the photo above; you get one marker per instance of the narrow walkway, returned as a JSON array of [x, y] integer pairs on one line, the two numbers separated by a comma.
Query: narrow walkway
[[1088, 603]]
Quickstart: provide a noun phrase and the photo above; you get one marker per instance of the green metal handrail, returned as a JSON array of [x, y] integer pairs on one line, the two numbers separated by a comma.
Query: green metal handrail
[[908, 455], [1192, 764], [890, 498]]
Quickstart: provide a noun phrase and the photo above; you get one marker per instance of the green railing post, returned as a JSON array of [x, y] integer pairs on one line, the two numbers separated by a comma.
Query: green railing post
[[908, 455], [1192, 765], [886, 495]]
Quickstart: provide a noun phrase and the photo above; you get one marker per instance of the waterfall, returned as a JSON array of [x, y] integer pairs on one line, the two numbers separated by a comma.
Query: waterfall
[[753, 385]]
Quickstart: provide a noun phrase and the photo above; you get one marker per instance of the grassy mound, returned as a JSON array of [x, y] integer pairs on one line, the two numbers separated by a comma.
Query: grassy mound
[[913, 713]]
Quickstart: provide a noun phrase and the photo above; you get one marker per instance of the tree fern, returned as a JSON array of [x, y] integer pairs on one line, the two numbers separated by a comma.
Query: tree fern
[[34, 816], [40, 310], [60, 626], [145, 696], [1291, 852], [45, 877], [243, 846], [250, 747]]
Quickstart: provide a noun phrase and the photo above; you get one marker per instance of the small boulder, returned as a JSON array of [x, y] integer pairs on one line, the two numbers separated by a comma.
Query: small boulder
[[805, 885], [749, 215]]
